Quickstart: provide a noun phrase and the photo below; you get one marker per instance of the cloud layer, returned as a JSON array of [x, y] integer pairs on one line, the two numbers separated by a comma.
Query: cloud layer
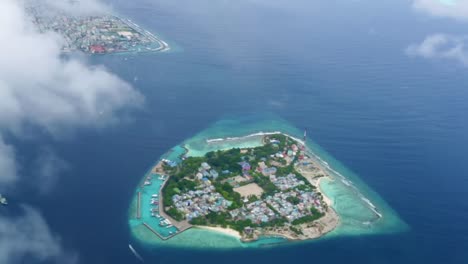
[[7, 163], [441, 46], [77, 7], [40, 88], [27, 237], [456, 9]]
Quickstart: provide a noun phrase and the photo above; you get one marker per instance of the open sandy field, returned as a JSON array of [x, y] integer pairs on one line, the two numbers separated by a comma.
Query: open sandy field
[[249, 189]]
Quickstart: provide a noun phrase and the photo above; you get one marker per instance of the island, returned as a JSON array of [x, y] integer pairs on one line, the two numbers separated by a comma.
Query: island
[[97, 33], [253, 182], [269, 190]]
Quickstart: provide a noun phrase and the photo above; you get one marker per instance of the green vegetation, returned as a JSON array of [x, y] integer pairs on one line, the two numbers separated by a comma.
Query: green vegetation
[[174, 213], [174, 186], [294, 200], [226, 190], [268, 187], [305, 187], [309, 218], [296, 230], [223, 220], [188, 167], [225, 160]]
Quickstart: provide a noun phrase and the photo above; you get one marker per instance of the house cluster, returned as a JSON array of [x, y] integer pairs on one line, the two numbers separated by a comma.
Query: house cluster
[[257, 211], [200, 202], [170, 163], [206, 172], [288, 152], [245, 168], [265, 170], [281, 203], [268, 209], [287, 182], [93, 34]]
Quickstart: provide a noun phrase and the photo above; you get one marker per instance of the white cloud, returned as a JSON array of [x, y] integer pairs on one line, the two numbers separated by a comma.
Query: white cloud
[[441, 46], [456, 9], [28, 237], [78, 6], [8, 166], [39, 88]]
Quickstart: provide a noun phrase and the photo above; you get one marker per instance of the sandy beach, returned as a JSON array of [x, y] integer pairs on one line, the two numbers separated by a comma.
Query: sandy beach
[[325, 198], [226, 231]]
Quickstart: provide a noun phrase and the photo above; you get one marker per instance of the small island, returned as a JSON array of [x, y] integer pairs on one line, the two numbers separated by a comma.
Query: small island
[[252, 182], [268, 190]]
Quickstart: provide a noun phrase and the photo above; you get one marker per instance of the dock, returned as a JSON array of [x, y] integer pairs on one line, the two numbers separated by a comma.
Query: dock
[[180, 225], [161, 237], [138, 216]]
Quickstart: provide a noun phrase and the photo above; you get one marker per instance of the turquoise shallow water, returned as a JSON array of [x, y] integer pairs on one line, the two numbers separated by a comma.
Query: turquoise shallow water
[[146, 207], [361, 210]]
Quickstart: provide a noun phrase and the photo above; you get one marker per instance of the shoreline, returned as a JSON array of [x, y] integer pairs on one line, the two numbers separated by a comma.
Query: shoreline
[[326, 199], [226, 231], [331, 221]]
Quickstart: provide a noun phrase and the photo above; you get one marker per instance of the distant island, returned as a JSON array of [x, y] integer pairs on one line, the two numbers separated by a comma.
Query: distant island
[[268, 190], [96, 34]]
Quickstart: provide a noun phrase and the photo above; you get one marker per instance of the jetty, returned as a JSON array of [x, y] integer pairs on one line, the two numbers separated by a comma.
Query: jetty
[[138, 216]]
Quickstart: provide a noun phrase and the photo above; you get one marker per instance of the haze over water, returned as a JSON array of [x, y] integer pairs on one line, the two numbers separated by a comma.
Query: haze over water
[[338, 68]]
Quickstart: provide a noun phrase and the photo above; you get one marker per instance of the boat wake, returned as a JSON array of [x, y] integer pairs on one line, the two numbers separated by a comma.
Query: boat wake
[[135, 253]]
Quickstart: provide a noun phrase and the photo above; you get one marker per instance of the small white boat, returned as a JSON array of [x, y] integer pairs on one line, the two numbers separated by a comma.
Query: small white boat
[[3, 200]]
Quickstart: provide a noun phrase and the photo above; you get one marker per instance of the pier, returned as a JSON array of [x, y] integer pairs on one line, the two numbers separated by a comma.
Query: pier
[[138, 216], [180, 226], [159, 235]]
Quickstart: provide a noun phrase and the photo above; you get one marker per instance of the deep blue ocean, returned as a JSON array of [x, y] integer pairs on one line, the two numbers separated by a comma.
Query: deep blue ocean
[[338, 68]]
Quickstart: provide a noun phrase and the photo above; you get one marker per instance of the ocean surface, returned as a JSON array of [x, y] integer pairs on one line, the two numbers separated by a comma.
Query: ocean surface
[[338, 68]]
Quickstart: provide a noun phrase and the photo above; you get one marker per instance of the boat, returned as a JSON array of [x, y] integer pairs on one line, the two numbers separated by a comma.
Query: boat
[[154, 196], [3, 200], [164, 222]]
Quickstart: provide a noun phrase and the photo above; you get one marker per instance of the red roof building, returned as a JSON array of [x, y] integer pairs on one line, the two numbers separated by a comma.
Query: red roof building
[[97, 49]]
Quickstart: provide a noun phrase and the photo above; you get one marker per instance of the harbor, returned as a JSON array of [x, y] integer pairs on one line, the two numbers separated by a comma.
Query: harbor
[[150, 214]]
